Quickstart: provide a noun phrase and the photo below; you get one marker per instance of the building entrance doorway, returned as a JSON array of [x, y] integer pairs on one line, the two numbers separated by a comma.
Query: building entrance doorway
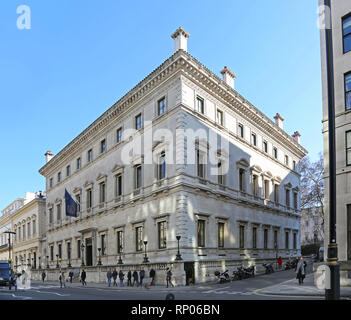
[[189, 273], [89, 252]]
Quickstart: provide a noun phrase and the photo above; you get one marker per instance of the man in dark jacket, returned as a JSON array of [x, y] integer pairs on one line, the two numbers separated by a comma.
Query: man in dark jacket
[[83, 277], [129, 277], [70, 276], [152, 275], [114, 276], [135, 278], [121, 278], [141, 275]]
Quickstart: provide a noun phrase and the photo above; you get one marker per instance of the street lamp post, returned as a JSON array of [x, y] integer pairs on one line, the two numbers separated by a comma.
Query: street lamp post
[[120, 257], [332, 256], [276, 254], [9, 233], [33, 265], [178, 257], [82, 248], [39, 262], [99, 262], [57, 262], [146, 260], [47, 262]]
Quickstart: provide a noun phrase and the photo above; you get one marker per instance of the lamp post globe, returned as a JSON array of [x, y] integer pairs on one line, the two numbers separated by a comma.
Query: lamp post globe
[[178, 256]]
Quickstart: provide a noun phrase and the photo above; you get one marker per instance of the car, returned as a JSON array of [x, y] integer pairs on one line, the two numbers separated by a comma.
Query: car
[[314, 257]]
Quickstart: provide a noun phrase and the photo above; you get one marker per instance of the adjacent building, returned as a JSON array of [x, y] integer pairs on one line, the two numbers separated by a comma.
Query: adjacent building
[[312, 226], [25, 217], [182, 159], [341, 33]]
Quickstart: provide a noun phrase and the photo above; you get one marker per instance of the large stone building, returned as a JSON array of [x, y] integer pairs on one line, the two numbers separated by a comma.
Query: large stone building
[[341, 33], [25, 217], [211, 168], [312, 226]]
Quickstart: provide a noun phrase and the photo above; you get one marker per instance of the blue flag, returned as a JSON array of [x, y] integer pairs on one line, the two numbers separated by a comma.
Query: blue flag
[[71, 205]]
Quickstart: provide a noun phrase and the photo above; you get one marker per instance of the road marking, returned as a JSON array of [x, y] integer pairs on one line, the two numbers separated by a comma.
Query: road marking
[[18, 297], [58, 294]]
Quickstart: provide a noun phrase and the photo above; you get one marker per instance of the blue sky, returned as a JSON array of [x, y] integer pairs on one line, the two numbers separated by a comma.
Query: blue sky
[[79, 57]]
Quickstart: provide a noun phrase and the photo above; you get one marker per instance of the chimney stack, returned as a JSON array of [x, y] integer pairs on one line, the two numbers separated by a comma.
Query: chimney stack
[[180, 37], [228, 77], [279, 120], [48, 156], [296, 136]]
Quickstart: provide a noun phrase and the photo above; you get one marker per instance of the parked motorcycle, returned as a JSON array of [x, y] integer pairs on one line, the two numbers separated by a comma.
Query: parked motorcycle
[[249, 272], [268, 268], [238, 274], [222, 277]]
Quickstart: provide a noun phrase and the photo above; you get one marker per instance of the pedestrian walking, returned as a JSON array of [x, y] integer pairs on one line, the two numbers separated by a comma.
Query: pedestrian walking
[[83, 277], [152, 275], [141, 276], [280, 262], [121, 278], [43, 275], [62, 280], [135, 278], [114, 276], [129, 277], [70, 275], [169, 277], [300, 271], [11, 280], [109, 276]]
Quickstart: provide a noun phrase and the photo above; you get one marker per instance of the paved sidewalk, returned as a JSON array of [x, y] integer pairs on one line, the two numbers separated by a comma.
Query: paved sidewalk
[[292, 288]]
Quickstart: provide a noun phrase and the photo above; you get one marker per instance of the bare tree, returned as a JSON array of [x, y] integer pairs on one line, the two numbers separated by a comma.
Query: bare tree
[[312, 189]]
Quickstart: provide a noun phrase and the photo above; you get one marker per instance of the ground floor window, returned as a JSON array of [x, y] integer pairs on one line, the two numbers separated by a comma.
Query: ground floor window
[[220, 234], [201, 233], [242, 237]]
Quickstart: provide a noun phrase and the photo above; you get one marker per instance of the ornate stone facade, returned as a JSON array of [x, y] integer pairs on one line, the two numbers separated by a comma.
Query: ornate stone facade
[[121, 206]]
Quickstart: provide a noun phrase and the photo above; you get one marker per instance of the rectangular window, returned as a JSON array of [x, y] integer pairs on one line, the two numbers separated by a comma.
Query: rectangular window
[[286, 160], [162, 235], [348, 91], [161, 106], [295, 240], [90, 155], [200, 163], [28, 229], [287, 240], [103, 246], [24, 232], [89, 199], [79, 163], [51, 183], [51, 217], [242, 237], [60, 251], [275, 153], [68, 171], [276, 243], [348, 148], [78, 249], [119, 135], [102, 192], [118, 185], [138, 122], [253, 139], [220, 177], [287, 197], [200, 105], [139, 238], [34, 227], [295, 200], [220, 235], [254, 237], [265, 146], [242, 180], [52, 253], [266, 189], [220, 117], [255, 185], [241, 130], [346, 28], [161, 172], [138, 177], [119, 241], [276, 193], [103, 146], [68, 250], [58, 208], [265, 239], [201, 233], [59, 177], [294, 165]]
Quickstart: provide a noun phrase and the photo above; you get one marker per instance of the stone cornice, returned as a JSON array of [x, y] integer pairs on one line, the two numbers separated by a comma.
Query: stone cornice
[[191, 68]]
